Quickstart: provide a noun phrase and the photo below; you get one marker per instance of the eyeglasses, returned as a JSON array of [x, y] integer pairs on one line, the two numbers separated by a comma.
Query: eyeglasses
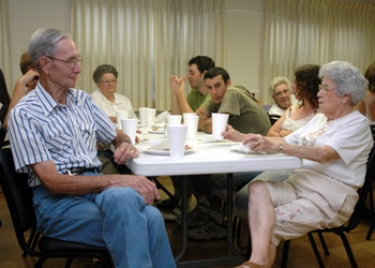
[[107, 82], [72, 63], [325, 89], [282, 92]]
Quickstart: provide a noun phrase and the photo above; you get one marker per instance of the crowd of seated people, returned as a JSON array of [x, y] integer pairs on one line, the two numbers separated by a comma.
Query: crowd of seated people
[[301, 128]]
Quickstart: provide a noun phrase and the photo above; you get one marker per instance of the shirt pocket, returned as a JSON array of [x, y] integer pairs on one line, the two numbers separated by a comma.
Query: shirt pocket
[[88, 132]]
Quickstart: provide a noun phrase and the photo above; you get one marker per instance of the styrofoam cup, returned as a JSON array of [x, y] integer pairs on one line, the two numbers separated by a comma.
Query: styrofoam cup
[[219, 123]]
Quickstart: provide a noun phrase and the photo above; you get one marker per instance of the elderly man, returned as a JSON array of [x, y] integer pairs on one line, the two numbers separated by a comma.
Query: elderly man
[[53, 131], [280, 91]]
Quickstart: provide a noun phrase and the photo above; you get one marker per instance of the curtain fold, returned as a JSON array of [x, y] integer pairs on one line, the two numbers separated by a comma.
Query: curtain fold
[[5, 60], [298, 32], [147, 41]]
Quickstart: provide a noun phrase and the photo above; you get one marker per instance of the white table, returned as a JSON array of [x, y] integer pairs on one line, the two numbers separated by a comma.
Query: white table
[[209, 157]]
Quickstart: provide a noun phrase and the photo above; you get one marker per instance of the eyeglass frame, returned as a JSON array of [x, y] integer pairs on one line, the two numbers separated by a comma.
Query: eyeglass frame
[[325, 89], [282, 92], [73, 62], [107, 82]]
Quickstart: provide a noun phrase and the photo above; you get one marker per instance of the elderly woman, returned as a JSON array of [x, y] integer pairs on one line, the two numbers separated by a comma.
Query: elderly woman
[[105, 96], [280, 90], [334, 146]]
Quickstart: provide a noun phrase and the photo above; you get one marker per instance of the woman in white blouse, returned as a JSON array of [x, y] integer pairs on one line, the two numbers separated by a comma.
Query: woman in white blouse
[[105, 76]]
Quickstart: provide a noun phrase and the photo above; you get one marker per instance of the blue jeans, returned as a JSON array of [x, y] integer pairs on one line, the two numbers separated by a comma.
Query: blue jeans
[[116, 218]]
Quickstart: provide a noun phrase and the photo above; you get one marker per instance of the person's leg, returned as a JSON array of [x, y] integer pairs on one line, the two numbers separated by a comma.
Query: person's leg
[[261, 221], [133, 233]]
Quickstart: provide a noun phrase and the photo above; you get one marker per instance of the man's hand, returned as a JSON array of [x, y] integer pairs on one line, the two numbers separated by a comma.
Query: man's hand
[[231, 134], [124, 153], [144, 187], [202, 112], [177, 84]]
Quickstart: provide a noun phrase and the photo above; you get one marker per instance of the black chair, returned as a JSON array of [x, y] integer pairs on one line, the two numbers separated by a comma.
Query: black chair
[[350, 225], [19, 199], [273, 118], [5, 101], [371, 199]]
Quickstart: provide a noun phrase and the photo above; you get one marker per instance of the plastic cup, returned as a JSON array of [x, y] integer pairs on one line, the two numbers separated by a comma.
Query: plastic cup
[[191, 120], [121, 115], [174, 120], [143, 115], [219, 123], [129, 127], [176, 140], [150, 115]]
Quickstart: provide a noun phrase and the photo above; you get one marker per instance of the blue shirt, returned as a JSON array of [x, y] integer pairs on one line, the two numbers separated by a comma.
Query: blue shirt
[[40, 129]]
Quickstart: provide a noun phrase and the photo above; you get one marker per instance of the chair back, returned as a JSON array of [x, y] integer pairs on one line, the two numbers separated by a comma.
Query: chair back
[[5, 101], [273, 118], [18, 196], [362, 193]]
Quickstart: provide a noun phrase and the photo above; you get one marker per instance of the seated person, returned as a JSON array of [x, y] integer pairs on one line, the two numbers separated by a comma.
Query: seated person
[[105, 77], [367, 106], [281, 92], [24, 84], [197, 96], [245, 115], [53, 132], [245, 112], [105, 96], [334, 147]]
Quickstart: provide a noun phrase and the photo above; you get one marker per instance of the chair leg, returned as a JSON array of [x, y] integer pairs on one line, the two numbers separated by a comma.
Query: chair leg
[[370, 230], [161, 186], [284, 258], [348, 249], [68, 263], [323, 243], [316, 252]]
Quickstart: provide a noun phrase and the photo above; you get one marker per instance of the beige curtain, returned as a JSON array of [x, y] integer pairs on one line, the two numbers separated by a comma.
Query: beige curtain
[[298, 32], [5, 61], [147, 41]]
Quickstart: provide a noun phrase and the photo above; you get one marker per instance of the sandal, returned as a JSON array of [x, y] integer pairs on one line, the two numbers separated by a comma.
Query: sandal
[[249, 264]]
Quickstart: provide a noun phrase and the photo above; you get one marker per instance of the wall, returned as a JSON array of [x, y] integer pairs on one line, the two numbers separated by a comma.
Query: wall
[[244, 26]]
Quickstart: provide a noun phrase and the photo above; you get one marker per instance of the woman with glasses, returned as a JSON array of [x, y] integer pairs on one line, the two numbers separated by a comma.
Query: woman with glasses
[[105, 96], [334, 146]]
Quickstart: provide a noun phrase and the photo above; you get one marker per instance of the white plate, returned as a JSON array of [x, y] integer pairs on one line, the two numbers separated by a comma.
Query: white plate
[[239, 149], [164, 152]]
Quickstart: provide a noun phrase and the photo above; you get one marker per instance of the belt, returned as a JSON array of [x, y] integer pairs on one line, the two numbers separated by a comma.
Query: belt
[[80, 170]]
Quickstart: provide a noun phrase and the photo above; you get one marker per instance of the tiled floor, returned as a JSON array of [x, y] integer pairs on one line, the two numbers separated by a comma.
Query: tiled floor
[[300, 254]]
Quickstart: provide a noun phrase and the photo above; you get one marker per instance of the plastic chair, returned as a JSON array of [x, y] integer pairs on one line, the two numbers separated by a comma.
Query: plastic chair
[[350, 225], [19, 199]]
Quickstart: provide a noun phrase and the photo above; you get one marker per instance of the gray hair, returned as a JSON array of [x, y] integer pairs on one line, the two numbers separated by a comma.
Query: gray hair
[[43, 43], [103, 69], [277, 81], [347, 78]]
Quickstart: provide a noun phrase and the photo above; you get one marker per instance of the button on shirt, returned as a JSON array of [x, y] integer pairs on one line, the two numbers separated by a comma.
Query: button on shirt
[[41, 130]]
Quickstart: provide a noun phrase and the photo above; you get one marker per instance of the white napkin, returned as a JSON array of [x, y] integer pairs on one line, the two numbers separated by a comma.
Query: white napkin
[[245, 147], [159, 144]]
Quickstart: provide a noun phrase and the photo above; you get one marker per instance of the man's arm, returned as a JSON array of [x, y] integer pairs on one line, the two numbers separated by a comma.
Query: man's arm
[[57, 183], [179, 102]]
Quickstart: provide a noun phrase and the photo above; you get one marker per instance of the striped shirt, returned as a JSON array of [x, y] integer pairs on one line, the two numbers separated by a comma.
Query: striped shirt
[[40, 130]]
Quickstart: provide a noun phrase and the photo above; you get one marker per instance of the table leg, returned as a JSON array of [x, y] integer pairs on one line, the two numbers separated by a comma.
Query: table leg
[[184, 224]]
